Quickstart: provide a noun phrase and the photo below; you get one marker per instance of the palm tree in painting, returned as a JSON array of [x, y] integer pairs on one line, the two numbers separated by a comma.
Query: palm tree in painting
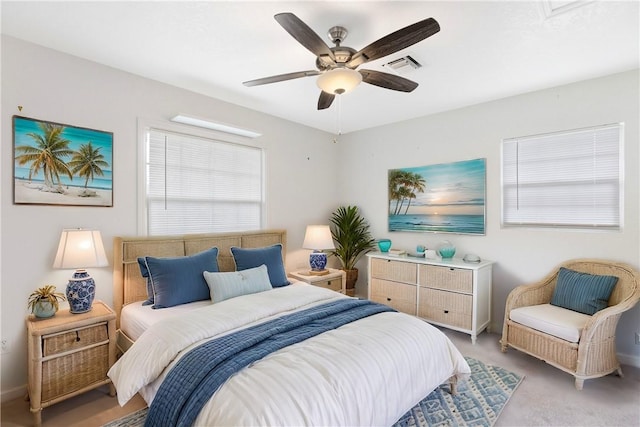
[[405, 194], [88, 162], [403, 186], [416, 184], [47, 155], [395, 176]]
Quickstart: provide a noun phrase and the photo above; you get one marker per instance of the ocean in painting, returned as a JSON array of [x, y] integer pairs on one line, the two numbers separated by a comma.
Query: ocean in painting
[[462, 224], [102, 183]]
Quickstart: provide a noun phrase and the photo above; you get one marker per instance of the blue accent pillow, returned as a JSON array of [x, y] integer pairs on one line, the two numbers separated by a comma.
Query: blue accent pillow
[[179, 280], [582, 292], [145, 273], [236, 283], [271, 256]]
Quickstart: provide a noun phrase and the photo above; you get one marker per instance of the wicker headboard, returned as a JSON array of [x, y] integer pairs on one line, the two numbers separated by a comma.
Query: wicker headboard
[[128, 284]]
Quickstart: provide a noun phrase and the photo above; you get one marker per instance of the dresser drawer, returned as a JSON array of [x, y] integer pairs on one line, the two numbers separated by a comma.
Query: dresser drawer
[[394, 270], [447, 318], [74, 339], [449, 278], [449, 308], [399, 296], [333, 284]]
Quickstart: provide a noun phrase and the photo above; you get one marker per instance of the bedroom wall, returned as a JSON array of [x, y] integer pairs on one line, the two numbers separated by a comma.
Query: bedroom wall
[[520, 255], [58, 87]]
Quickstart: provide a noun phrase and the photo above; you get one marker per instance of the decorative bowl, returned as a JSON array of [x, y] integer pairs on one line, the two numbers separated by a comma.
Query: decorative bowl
[[447, 250], [384, 245]]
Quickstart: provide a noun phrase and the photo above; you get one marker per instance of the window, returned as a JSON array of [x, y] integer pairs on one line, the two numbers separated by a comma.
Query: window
[[567, 179], [201, 185]]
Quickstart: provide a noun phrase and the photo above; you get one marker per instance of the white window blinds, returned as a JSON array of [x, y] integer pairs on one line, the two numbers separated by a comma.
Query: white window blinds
[[198, 185], [568, 179]]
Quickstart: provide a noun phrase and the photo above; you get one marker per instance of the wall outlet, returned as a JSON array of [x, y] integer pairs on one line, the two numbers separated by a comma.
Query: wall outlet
[[637, 338], [5, 346]]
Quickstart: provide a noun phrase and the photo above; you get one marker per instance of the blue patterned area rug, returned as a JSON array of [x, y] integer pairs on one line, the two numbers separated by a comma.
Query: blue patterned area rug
[[478, 402]]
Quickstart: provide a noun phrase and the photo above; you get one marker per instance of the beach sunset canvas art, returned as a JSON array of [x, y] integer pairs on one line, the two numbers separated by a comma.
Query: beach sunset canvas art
[[442, 198], [57, 164]]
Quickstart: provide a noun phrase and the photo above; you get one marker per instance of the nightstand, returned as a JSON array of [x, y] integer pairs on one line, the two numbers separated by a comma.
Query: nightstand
[[336, 280], [69, 354]]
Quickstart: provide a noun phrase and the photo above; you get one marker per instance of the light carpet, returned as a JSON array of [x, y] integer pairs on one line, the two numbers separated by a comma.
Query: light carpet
[[478, 402]]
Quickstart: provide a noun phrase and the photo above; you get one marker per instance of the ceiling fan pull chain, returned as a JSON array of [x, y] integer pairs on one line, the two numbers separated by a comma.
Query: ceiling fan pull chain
[[339, 114]]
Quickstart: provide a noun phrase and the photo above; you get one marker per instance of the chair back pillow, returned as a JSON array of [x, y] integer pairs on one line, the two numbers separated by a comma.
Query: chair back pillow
[[582, 292]]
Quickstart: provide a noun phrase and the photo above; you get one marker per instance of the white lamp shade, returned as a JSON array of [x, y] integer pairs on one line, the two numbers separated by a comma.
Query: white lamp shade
[[80, 249], [318, 237], [339, 80]]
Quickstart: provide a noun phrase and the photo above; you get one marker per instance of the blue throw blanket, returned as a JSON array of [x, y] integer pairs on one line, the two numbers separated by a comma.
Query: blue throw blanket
[[194, 379]]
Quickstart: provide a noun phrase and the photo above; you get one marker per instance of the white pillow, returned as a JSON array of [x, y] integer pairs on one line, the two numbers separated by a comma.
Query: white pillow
[[233, 284]]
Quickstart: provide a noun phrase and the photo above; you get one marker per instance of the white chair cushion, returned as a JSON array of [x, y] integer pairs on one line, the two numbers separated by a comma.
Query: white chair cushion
[[557, 321]]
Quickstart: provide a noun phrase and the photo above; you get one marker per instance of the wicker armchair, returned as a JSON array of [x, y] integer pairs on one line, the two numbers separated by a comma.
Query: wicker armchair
[[594, 355]]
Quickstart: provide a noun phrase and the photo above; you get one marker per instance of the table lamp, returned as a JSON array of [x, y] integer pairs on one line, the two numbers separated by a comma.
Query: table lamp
[[318, 238], [80, 249]]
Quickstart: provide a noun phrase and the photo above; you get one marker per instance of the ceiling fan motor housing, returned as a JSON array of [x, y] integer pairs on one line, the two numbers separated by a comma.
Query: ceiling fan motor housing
[[342, 54]]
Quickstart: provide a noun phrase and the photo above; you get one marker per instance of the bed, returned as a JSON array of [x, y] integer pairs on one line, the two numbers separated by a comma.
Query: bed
[[284, 355]]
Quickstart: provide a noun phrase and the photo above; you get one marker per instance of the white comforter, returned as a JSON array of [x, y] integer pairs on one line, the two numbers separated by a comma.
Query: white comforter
[[369, 372]]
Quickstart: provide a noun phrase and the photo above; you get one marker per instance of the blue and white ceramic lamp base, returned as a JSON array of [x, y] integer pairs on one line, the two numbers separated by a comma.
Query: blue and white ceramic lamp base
[[317, 261], [81, 291]]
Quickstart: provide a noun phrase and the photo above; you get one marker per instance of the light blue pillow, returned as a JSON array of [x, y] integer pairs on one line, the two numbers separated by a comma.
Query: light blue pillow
[[233, 284], [145, 273], [582, 292], [271, 256], [179, 280]]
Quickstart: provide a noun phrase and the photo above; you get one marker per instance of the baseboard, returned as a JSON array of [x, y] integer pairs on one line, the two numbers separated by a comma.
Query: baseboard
[[630, 360], [13, 393]]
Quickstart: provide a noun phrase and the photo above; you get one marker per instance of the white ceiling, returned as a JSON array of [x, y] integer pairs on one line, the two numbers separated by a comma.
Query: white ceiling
[[484, 51]]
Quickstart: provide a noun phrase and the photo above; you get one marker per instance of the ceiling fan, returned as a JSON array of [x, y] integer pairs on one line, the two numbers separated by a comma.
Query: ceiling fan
[[337, 65]]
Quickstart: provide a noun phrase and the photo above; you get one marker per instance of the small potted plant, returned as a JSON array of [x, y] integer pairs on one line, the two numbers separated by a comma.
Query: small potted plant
[[43, 302]]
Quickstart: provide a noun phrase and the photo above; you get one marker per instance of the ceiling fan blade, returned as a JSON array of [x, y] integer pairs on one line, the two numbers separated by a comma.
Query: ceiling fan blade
[[395, 42], [281, 77], [303, 34], [388, 81], [325, 100]]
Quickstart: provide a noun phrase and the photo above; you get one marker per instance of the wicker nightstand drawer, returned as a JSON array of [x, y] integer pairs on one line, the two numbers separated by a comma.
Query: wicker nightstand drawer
[[74, 339], [66, 374], [333, 284]]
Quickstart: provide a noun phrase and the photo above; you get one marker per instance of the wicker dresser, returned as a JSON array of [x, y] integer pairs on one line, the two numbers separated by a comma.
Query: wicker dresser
[[69, 354], [449, 293]]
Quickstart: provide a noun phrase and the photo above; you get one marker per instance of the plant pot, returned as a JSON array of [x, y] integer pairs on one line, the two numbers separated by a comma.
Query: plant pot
[[43, 309], [352, 278]]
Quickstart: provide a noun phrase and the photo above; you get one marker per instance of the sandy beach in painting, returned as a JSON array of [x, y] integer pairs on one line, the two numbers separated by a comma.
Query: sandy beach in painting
[[29, 192]]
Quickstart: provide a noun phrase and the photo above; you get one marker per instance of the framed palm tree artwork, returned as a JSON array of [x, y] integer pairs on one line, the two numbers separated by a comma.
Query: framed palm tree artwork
[[57, 164], [442, 198]]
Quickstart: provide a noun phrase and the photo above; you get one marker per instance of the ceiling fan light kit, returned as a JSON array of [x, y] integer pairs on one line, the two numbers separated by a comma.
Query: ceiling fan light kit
[[336, 66], [339, 80]]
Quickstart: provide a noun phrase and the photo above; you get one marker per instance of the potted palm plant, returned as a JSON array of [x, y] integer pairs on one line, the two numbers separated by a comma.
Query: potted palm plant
[[43, 302], [350, 231]]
